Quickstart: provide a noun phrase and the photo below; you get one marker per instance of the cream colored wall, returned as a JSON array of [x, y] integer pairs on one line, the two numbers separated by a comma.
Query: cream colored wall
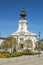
[[1, 40], [22, 25]]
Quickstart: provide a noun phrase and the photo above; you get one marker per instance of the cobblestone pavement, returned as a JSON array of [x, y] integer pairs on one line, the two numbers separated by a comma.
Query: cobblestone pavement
[[24, 60]]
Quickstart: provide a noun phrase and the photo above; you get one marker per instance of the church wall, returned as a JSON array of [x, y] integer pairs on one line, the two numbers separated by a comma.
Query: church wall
[[33, 39], [24, 27], [23, 33], [19, 28], [1, 40]]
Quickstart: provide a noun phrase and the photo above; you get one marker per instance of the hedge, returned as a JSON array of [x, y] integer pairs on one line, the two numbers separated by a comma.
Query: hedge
[[17, 54]]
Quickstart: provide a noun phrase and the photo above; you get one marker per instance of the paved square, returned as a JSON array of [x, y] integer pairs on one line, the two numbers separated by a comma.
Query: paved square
[[24, 60]]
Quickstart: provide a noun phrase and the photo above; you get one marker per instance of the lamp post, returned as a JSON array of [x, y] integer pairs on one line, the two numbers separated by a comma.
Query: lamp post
[[39, 43]]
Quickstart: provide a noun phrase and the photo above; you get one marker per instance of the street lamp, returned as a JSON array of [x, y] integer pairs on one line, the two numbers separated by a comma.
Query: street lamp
[[39, 43]]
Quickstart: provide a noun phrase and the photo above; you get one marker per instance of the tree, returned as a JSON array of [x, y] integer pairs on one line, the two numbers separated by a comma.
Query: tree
[[5, 45], [9, 42], [41, 44], [28, 43]]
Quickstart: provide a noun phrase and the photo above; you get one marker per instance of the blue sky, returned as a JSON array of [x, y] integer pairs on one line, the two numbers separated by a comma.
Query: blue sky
[[10, 15]]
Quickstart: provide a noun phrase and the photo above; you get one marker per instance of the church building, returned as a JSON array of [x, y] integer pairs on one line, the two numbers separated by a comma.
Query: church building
[[23, 34]]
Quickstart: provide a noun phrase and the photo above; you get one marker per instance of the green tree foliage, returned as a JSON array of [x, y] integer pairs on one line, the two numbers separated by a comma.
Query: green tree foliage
[[5, 45], [40, 43], [9, 42], [28, 43]]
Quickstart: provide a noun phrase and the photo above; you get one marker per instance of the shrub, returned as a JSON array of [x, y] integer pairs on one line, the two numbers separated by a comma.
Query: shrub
[[16, 54], [30, 53], [8, 55], [25, 53], [5, 55], [2, 56]]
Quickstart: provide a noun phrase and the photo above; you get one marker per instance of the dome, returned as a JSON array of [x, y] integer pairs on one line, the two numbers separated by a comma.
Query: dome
[[23, 13]]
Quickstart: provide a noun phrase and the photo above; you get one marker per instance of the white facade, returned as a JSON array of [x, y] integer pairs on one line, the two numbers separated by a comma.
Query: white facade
[[1, 40], [23, 33]]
